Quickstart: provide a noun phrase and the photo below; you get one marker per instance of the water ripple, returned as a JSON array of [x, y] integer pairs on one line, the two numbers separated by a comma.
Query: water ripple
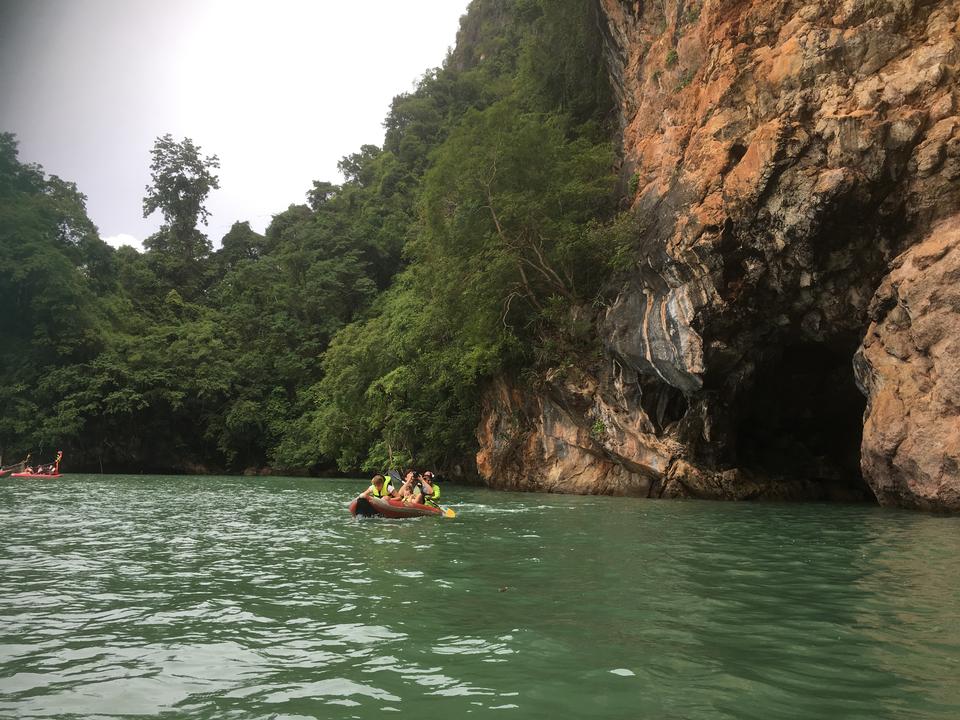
[[243, 598]]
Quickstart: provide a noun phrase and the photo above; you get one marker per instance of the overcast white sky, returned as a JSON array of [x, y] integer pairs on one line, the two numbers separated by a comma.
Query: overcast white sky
[[279, 89]]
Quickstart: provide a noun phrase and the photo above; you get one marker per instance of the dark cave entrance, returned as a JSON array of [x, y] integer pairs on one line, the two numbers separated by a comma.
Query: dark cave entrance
[[802, 417]]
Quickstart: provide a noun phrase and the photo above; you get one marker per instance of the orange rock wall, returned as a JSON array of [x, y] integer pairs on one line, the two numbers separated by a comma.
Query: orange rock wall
[[909, 366], [783, 155]]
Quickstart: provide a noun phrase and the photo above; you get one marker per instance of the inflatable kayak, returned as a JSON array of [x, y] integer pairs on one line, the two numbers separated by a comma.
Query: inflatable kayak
[[390, 508], [35, 475]]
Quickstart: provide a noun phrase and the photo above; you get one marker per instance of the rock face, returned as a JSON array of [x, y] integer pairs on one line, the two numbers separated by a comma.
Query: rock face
[[783, 155], [573, 437], [615, 454], [909, 367]]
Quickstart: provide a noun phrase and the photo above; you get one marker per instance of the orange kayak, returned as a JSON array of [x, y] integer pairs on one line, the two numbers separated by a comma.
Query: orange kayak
[[390, 508]]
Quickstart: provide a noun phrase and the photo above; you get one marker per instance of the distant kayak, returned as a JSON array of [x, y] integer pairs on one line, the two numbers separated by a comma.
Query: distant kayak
[[389, 508], [26, 469]]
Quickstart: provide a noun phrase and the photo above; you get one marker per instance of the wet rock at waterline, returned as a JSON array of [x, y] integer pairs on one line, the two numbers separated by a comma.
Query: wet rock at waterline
[[909, 367]]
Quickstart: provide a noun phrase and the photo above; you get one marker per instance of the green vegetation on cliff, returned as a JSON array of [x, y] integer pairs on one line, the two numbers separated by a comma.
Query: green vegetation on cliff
[[362, 325]]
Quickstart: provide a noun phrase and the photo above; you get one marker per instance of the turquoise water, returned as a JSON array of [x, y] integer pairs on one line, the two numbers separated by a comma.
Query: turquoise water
[[248, 598]]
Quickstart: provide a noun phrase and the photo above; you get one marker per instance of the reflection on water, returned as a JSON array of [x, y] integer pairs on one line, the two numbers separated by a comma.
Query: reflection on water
[[235, 598]]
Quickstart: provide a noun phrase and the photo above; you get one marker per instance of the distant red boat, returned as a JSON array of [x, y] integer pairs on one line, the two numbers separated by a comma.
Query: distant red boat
[[39, 471], [391, 508]]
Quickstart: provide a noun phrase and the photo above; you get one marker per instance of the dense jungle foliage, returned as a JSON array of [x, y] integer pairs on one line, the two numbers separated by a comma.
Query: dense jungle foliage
[[360, 328]]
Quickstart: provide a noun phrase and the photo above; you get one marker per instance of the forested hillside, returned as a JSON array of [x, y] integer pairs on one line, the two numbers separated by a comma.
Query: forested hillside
[[360, 327]]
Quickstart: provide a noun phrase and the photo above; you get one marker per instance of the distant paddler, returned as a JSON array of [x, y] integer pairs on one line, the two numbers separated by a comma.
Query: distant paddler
[[16, 467], [53, 468]]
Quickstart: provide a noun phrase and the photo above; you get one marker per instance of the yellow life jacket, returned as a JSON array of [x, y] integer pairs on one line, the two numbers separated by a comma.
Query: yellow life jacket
[[384, 490], [432, 498]]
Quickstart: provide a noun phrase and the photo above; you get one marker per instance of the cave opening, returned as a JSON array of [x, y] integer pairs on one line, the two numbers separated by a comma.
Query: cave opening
[[663, 404], [802, 417]]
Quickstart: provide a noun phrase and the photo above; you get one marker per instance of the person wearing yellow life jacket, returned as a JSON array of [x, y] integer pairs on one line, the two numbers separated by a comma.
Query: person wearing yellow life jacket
[[380, 487], [427, 490]]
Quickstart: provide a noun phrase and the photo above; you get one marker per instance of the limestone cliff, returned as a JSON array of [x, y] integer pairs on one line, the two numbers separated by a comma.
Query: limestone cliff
[[909, 367], [783, 155]]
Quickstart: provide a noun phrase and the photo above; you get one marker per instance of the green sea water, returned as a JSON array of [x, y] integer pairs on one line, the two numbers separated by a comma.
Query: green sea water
[[262, 598]]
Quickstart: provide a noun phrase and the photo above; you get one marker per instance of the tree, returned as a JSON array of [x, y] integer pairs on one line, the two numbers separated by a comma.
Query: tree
[[562, 67], [357, 167], [510, 193], [52, 267], [181, 180], [361, 326], [495, 182], [239, 244]]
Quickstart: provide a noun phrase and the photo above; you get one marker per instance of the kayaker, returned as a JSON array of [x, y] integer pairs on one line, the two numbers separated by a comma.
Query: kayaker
[[380, 487], [427, 491], [406, 491], [413, 488]]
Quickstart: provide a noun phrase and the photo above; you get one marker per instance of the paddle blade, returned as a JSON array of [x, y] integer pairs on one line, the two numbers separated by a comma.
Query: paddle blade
[[449, 513]]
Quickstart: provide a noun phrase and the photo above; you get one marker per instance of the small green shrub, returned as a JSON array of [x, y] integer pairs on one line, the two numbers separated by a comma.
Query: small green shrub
[[598, 430], [685, 78]]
